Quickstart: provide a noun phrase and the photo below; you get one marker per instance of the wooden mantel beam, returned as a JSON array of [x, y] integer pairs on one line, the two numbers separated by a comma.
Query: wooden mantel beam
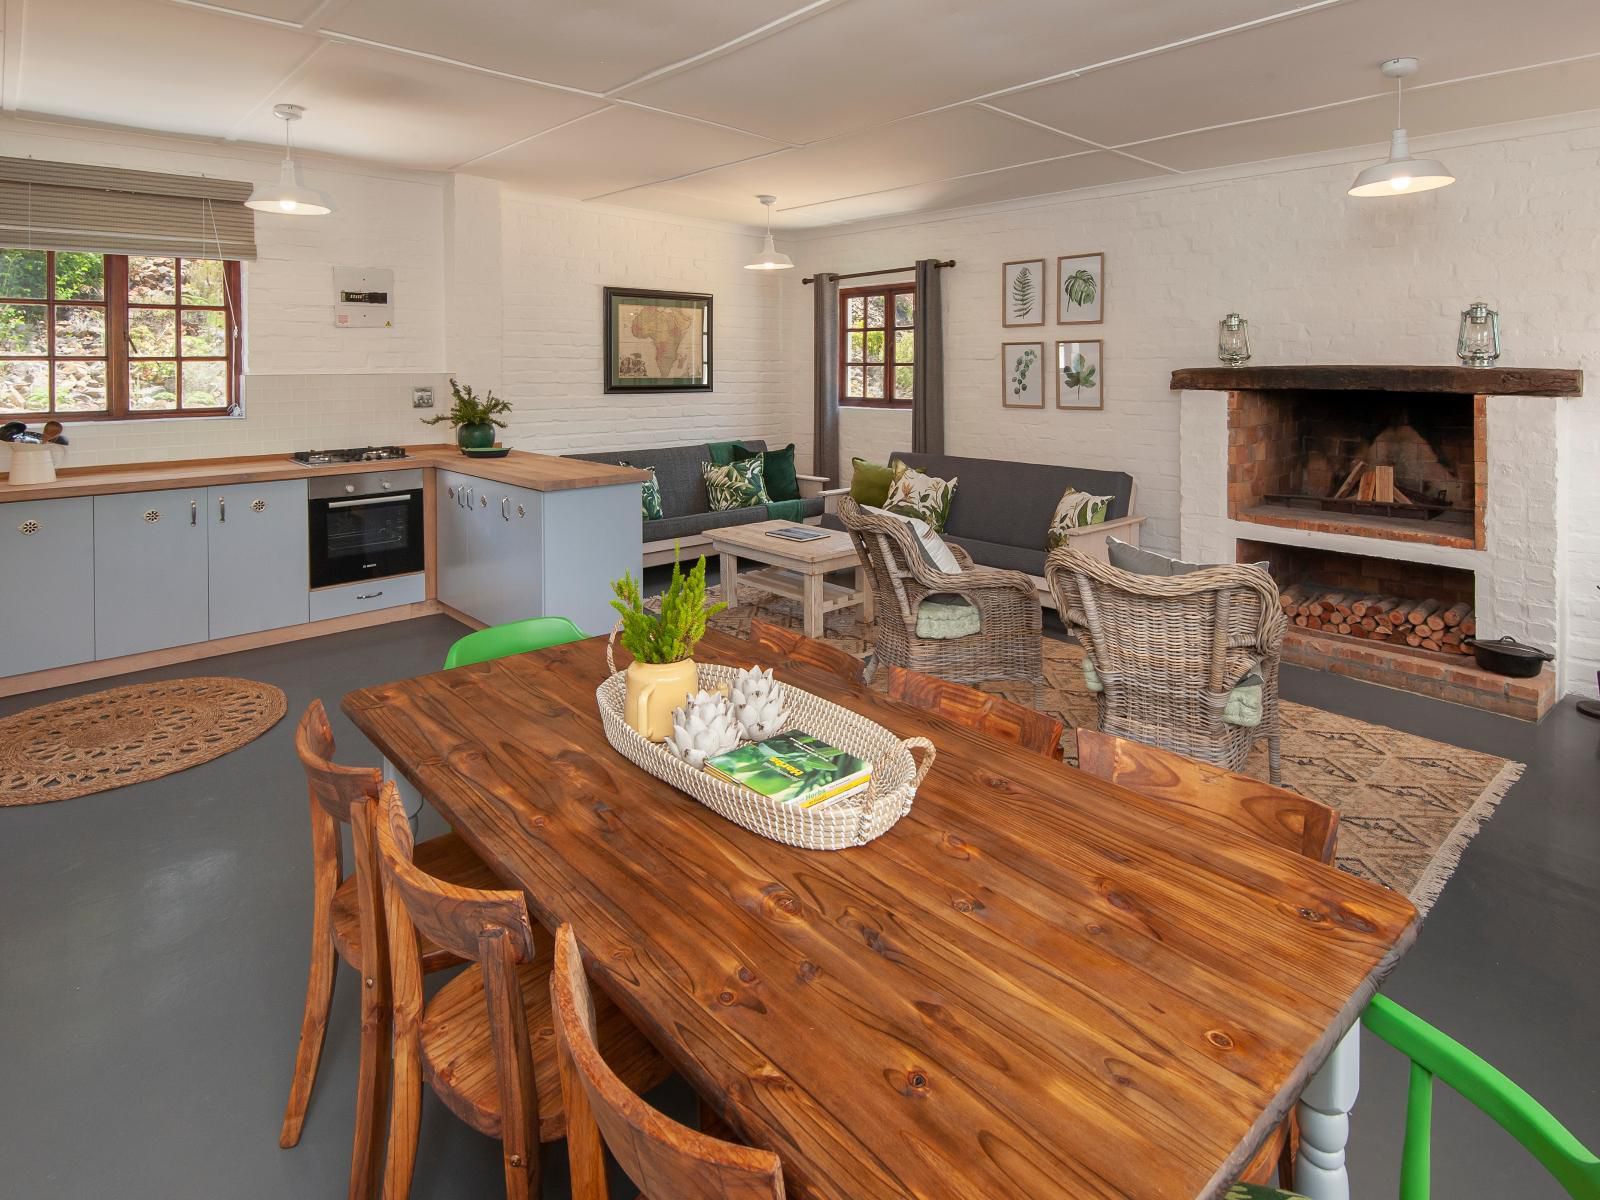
[[1460, 381]]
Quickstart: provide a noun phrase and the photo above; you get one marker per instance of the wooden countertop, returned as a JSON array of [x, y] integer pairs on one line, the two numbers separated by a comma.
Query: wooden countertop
[[536, 472]]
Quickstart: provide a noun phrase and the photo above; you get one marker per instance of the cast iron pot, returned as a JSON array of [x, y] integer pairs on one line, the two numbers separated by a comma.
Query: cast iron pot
[[1507, 656]]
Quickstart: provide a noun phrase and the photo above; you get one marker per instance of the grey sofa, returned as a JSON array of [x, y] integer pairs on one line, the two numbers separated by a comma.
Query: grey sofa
[[1001, 511], [687, 518]]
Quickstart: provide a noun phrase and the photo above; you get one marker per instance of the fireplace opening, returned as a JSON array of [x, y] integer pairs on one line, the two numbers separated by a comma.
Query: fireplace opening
[[1414, 608], [1383, 464]]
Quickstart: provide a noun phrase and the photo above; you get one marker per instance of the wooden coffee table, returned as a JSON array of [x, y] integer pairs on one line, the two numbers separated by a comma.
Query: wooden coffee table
[[794, 569]]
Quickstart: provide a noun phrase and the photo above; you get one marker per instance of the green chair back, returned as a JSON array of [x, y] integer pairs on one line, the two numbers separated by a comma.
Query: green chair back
[[1434, 1054], [519, 637]]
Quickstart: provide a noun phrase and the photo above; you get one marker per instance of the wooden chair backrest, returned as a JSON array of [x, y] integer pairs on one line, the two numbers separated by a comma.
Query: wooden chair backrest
[[993, 716], [1283, 818], [336, 790], [663, 1158], [811, 652]]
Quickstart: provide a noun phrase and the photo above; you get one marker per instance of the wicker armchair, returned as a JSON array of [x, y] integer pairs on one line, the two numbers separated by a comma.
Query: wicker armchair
[[1169, 649], [1009, 644]]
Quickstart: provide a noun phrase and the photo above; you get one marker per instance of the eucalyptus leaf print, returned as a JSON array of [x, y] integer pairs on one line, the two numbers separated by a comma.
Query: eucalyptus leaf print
[[1023, 294], [1023, 375], [1020, 370]]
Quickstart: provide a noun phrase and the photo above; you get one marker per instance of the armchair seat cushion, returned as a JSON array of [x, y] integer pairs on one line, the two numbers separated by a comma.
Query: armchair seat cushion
[[945, 617], [1026, 559]]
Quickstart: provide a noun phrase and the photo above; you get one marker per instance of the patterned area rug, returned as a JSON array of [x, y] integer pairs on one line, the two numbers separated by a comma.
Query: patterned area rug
[[129, 735], [1408, 805]]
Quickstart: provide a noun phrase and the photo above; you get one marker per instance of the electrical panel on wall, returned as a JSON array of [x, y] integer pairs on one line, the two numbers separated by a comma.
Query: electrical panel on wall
[[363, 297]]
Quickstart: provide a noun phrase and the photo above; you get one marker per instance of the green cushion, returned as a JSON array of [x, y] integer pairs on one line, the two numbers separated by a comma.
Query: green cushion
[[737, 485], [649, 492], [870, 482], [945, 617], [917, 494], [778, 467], [721, 452]]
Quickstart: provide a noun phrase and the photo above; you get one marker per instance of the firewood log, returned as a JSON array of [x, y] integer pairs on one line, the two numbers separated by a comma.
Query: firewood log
[[1429, 643], [1424, 609], [1455, 614], [1469, 626]]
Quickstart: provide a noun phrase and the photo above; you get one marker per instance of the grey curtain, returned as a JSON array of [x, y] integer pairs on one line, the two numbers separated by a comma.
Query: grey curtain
[[825, 372], [927, 411]]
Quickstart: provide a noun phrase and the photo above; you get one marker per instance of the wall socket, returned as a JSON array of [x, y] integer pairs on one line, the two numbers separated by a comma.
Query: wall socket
[[422, 397]]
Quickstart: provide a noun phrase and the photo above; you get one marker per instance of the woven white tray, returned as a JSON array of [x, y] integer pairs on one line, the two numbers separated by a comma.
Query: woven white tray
[[896, 773]]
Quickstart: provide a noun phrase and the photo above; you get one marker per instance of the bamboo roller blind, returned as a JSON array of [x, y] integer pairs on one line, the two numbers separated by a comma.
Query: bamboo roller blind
[[107, 210]]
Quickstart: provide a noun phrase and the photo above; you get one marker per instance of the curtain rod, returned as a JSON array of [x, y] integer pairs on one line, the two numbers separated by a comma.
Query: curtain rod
[[949, 262]]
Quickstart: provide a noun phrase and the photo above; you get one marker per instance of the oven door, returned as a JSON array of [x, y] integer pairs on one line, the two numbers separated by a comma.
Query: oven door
[[365, 537]]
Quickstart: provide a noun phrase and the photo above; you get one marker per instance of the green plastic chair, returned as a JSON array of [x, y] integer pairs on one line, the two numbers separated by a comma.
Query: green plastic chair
[[1437, 1055], [519, 637]]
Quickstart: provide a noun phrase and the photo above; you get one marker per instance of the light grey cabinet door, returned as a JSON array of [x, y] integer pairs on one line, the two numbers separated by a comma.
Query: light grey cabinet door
[[151, 585], [259, 547], [453, 532], [46, 584], [590, 537], [508, 540]]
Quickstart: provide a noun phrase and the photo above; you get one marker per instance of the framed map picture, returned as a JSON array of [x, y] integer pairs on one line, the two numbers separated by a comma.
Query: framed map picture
[[657, 341], [1022, 374], [1080, 289], [1022, 292], [1078, 381]]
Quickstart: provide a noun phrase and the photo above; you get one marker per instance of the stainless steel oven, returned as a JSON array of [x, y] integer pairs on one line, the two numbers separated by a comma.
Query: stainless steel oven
[[365, 526]]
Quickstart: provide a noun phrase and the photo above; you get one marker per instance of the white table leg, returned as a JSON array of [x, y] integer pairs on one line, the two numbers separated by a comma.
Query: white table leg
[[811, 607], [866, 596], [409, 796], [1325, 1106], [730, 580]]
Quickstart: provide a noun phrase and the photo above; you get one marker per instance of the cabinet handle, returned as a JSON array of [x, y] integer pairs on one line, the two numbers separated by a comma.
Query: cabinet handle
[[505, 508], [469, 497], [371, 595], [222, 510], [194, 513]]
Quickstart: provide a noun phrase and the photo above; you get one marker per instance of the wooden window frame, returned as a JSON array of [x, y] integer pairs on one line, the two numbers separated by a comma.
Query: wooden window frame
[[888, 292], [119, 357]]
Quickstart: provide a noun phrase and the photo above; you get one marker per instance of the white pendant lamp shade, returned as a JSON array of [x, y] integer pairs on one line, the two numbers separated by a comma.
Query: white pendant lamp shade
[[770, 258], [1400, 173], [290, 194]]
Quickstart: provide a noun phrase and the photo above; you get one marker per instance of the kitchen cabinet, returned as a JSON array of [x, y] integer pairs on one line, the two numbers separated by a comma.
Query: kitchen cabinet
[[258, 556], [453, 543], [369, 595], [46, 583], [151, 577]]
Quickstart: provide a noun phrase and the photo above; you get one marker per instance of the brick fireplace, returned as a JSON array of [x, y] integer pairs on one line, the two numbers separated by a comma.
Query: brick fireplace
[[1424, 497]]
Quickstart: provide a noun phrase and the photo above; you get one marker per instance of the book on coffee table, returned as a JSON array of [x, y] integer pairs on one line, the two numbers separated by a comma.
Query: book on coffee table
[[794, 768], [798, 533]]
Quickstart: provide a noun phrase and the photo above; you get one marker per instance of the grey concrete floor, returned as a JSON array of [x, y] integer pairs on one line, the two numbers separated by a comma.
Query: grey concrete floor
[[153, 947]]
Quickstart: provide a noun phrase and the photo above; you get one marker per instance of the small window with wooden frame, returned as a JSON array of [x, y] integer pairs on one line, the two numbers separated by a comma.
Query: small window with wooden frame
[[86, 337], [877, 336]]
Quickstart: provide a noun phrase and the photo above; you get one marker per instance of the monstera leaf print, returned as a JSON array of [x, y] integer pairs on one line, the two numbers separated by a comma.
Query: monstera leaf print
[[1023, 294], [1079, 288]]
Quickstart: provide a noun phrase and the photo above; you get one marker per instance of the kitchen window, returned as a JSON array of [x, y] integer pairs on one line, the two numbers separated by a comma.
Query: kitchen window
[[87, 337], [877, 332]]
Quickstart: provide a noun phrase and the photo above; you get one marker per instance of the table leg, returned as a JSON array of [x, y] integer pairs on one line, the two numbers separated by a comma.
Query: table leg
[[866, 595], [730, 580], [409, 796], [811, 590], [1319, 1171]]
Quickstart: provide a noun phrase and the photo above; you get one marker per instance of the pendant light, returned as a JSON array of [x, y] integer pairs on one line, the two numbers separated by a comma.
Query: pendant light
[[289, 195], [770, 259], [1401, 173]]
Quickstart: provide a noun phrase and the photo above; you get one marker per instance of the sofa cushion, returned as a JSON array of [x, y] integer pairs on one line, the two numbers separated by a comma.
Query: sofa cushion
[[740, 484], [927, 497], [1001, 556], [777, 469], [695, 523], [1076, 510], [723, 453], [795, 510], [870, 482], [1011, 503], [1136, 560], [683, 487]]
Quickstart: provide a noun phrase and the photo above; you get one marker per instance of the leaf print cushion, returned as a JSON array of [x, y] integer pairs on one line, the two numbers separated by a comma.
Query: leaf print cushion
[[737, 485], [926, 497], [1075, 510], [649, 492]]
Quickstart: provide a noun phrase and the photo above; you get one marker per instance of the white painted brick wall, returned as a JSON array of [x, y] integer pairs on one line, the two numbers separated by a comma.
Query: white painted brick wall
[[1322, 277]]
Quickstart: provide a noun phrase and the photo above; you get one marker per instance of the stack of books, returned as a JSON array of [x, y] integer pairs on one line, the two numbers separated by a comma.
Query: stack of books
[[794, 768]]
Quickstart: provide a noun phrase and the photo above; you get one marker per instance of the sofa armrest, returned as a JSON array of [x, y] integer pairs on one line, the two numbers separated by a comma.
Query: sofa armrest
[[813, 486]]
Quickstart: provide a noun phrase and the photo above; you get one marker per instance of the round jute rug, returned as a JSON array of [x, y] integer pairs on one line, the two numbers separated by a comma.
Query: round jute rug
[[129, 735]]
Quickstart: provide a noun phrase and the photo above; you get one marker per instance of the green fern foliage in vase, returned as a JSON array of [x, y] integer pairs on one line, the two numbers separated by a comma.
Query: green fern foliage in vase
[[1022, 294], [670, 635]]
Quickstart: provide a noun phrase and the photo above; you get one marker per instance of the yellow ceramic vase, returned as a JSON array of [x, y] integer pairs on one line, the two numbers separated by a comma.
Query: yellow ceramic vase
[[654, 690]]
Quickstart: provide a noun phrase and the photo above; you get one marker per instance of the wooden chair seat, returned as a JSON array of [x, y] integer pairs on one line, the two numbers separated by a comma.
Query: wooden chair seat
[[446, 857], [458, 1058]]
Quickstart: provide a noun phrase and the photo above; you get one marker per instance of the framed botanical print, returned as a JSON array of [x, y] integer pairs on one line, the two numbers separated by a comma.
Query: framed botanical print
[[1078, 377], [657, 341], [1080, 289], [1022, 374], [1022, 292]]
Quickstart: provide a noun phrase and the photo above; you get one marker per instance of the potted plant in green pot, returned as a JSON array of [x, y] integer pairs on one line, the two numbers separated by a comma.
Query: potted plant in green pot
[[663, 672], [473, 417]]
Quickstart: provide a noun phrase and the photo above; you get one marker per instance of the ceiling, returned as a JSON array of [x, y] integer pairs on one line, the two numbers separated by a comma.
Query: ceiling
[[846, 109]]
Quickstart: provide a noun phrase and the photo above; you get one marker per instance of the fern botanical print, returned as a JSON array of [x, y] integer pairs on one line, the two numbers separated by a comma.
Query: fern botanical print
[[1023, 286], [737, 485]]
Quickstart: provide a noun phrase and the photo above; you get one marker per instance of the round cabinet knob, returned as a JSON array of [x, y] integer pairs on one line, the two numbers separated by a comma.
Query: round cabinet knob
[[483, 502], [350, 487], [386, 485]]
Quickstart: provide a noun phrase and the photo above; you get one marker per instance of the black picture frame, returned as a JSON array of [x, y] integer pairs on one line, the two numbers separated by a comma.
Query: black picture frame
[[617, 379]]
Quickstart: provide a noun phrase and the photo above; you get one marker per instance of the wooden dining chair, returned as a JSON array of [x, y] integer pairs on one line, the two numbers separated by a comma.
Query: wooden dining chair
[[993, 716], [811, 652], [665, 1160], [1283, 818], [347, 923], [484, 1041]]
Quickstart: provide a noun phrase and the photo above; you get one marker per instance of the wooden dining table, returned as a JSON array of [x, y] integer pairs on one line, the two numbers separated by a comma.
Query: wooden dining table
[[1036, 984]]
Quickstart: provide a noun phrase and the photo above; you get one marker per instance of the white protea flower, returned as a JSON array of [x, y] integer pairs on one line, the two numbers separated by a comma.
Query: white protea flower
[[703, 728], [758, 702]]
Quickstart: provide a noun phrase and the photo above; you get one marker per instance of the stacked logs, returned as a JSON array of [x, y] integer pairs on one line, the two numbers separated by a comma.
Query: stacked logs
[[1426, 624]]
